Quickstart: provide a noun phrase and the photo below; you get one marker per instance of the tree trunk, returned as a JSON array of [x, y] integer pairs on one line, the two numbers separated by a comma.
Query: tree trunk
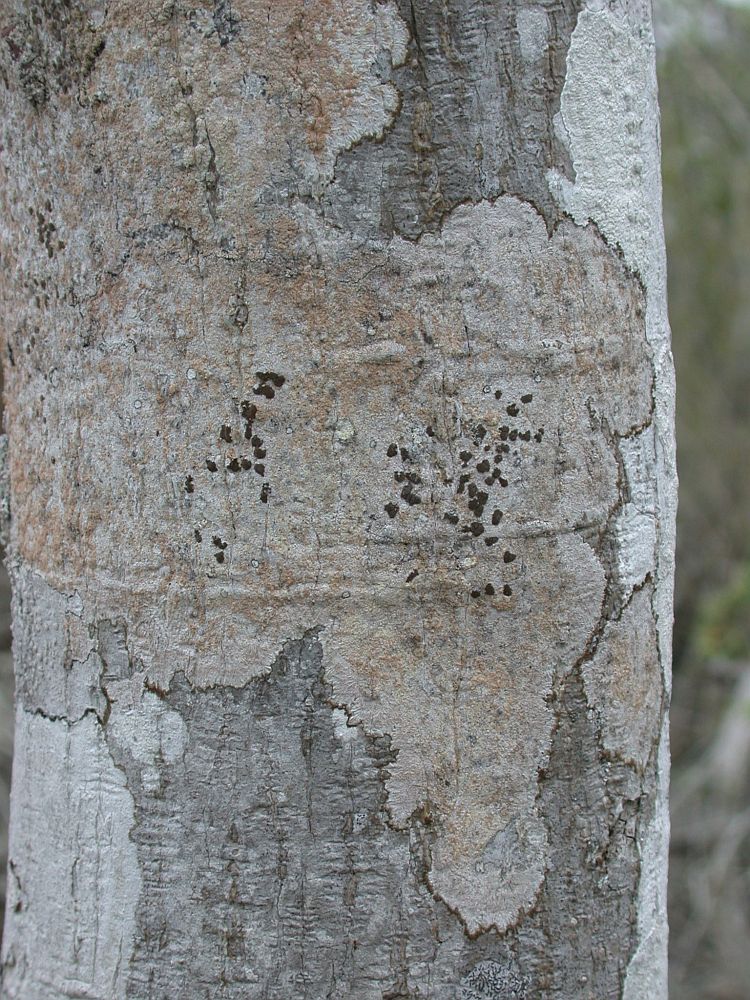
[[339, 412]]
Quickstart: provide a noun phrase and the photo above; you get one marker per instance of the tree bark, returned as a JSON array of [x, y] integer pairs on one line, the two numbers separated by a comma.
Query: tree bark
[[340, 452]]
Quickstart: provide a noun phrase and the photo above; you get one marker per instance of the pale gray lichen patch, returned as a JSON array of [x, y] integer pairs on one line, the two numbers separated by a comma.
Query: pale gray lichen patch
[[603, 117], [636, 526], [57, 667], [623, 681], [647, 973], [467, 710]]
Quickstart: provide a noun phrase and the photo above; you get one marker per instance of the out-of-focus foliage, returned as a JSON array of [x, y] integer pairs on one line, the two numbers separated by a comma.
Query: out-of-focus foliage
[[705, 98], [705, 101], [723, 626]]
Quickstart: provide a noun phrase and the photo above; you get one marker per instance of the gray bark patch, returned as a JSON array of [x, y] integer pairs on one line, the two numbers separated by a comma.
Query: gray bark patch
[[583, 932], [479, 91], [270, 866]]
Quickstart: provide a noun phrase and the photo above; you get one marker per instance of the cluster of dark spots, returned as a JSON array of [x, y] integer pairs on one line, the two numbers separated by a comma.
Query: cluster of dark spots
[[189, 484], [198, 536], [265, 492], [242, 463], [53, 46], [37, 286], [489, 591], [46, 230], [408, 479], [267, 383], [413, 575], [481, 452], [514, 434], [220, 546]]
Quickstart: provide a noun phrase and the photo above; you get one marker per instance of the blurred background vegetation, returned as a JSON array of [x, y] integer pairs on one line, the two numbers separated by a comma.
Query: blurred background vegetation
[[704, 82], [704, 72]]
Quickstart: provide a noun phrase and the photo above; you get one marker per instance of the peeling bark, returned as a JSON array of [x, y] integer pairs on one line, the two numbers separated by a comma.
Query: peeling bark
[[339, 420]]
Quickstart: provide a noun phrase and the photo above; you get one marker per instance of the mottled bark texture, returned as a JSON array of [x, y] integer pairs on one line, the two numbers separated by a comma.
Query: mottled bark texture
[[339, 419]]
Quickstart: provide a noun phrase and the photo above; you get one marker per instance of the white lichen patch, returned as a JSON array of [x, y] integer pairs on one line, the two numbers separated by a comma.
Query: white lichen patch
[[72, 819], [636, 525], [609, 121], [604, 120]]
